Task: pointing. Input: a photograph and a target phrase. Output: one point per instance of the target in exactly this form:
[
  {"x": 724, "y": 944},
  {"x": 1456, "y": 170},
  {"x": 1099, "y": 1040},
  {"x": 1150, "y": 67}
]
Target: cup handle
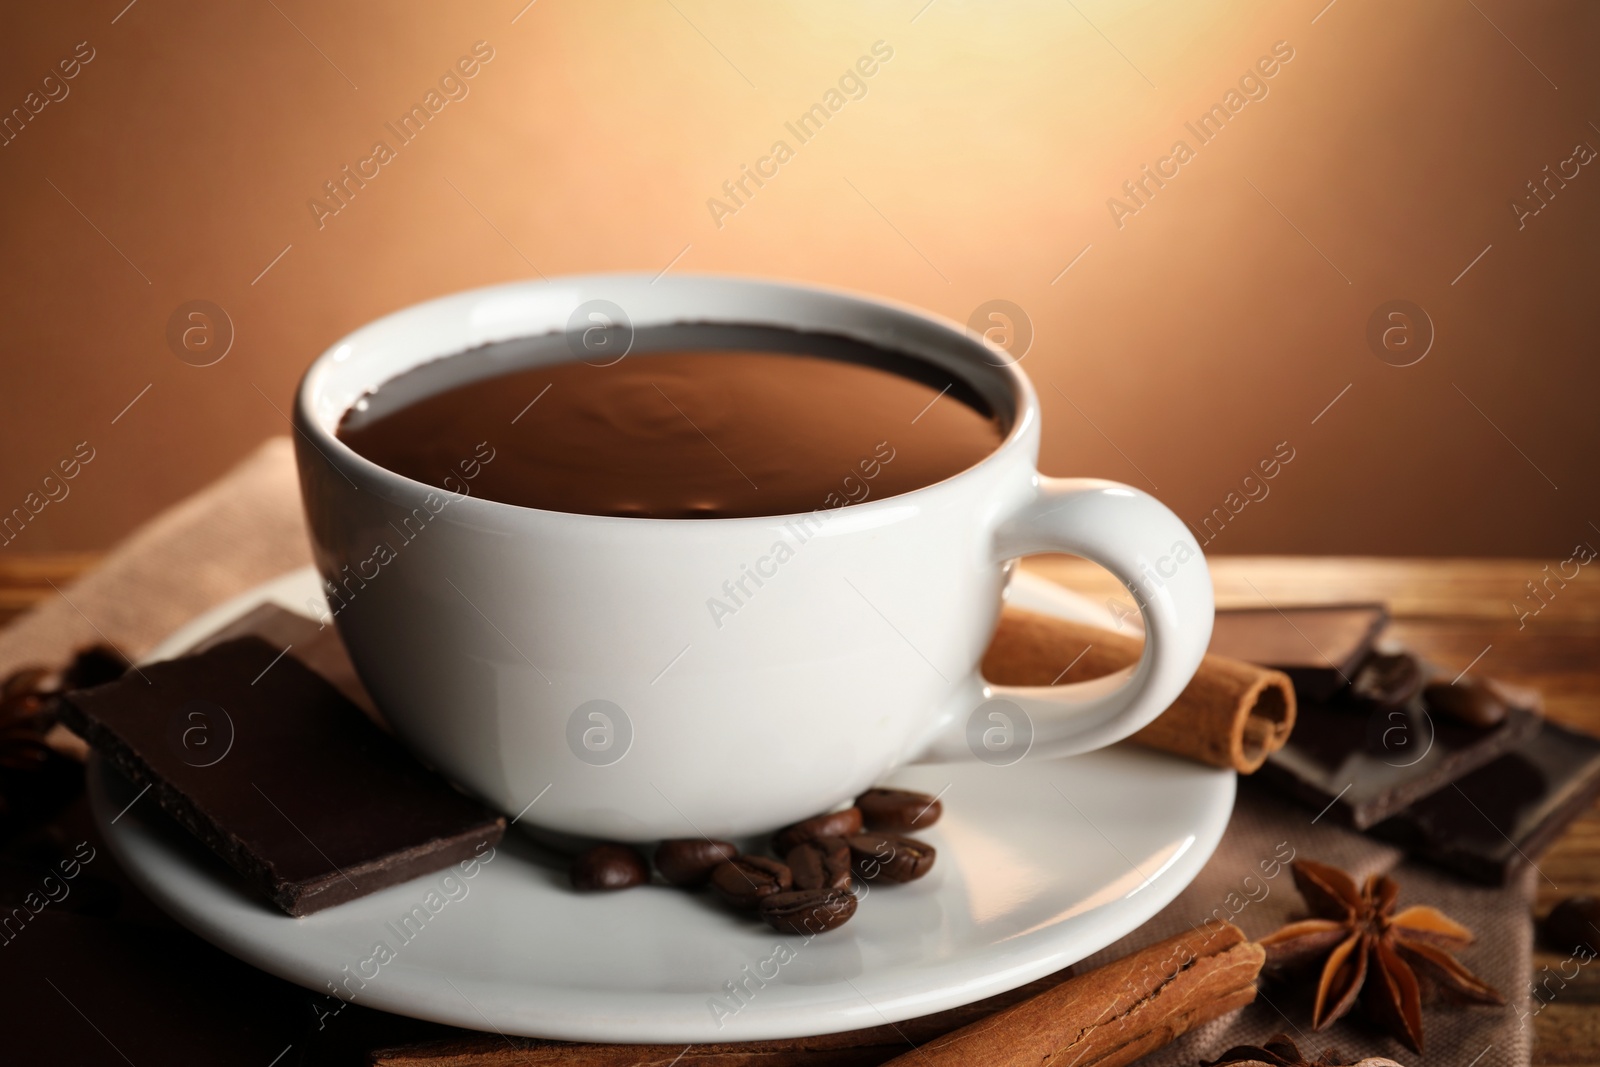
[{"x": 1150, "y": 550}]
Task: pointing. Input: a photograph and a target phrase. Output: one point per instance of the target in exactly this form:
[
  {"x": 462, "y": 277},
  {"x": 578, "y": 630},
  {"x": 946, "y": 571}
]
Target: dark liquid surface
[{"x": 687, "y": 432}]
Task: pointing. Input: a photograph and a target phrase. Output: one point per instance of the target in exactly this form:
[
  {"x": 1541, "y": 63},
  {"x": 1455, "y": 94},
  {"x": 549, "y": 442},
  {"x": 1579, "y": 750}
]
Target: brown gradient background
[{"x": 1177, "y": 352}]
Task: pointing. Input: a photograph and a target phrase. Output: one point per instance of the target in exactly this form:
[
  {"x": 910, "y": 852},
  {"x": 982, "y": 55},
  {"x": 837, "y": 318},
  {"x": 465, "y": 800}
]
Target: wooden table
[{"x": 1456, "y": 612}]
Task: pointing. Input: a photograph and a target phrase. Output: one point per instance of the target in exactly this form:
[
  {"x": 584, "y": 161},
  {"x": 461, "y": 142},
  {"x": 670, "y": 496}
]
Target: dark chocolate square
[
  {"x": 1499, "y": 818},
  {"x": 1360, "y": 762},
  {"x": 280, "y": 774}
]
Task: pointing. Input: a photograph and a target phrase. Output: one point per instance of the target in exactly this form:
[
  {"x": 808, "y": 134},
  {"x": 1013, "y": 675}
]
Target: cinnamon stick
[
  {"x": 1232, "y": 714},
  {"x": 1114, "y": 1014}
]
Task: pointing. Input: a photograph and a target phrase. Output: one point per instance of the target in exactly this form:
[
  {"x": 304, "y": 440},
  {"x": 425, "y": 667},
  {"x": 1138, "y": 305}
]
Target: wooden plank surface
[{"x": 1452, "y": 611}]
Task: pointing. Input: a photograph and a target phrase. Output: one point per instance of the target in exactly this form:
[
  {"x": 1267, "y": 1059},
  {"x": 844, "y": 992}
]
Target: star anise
[
  {"x": 1280, "y": 1051},
  {"x": 1361, "y": 937}
]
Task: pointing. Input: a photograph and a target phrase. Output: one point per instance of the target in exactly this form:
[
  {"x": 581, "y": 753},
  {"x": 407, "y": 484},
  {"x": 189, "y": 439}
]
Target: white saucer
[{"x": 1040, "y": 864}]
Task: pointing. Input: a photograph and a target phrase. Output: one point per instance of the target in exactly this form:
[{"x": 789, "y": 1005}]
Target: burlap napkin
[
  {"x": 227, "y": 538},
  {"x": 248, "y": 527}
]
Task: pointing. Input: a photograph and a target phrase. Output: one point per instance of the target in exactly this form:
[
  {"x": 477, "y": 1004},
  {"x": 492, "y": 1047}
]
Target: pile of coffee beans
[{"x": 805, "y": 887}]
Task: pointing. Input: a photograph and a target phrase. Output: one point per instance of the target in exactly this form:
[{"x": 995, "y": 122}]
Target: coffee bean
[
  {"x": 808, "y": 911},
  {"x": 1388, "y": 679},
  {"x": 744, "y": 880},
  {"x": 820, "y": 864},
  {"x": 834, "y": 824},
  {"x": 890, "y": 857},
  {"x": 898, "y": 809},
  {"x": 92, "y": 666},
  {"x": 689, "y": 861},
  {"x": 608, "y": 867},
  {"x": 1470, "y": 701},
  {"x": 1573, "y": 926}
]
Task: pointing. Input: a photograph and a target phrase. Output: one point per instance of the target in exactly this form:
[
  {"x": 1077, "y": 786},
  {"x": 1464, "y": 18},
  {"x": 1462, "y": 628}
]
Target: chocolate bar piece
[
  {"x": 1319, "y": 648},
  {"x": 1361, "y": 761},
  {"x": 1496, "y": 820},
  {"x": 280, "y": 775},
  {"x": 315, "y": 644}
]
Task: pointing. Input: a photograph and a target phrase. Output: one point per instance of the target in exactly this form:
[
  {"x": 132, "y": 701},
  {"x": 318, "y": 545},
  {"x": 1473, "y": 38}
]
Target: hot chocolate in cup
[{"x": 723, "y": 613}]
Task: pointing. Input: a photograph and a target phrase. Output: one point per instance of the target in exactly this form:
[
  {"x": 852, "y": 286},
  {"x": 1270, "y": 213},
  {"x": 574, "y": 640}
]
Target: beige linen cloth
[
  {"x": 233, "y": 535},
  {"x": 248, "y": 527}
]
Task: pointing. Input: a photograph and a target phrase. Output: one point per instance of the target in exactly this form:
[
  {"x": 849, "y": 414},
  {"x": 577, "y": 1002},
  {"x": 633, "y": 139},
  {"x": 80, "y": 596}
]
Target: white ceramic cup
[{"x": 572, "y": 662}]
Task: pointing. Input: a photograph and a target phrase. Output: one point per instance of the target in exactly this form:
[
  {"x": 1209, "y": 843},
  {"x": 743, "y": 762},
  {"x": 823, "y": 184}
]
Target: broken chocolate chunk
[
  {"x": 1495, "y": 821},
  {"x": 1361, "y": 761}
]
